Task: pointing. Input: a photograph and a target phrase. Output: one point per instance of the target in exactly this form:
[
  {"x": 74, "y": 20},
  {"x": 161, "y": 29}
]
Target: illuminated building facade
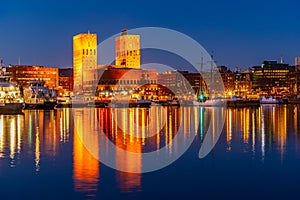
[
  {"x": 227, "y": 78},
  {"x": 23, "y": 75},
  {"x": 195, "y": 80},
  {"x": 271, "y": 77},
  {"x": 242, "y": 83},
  {"x": 182, "y": 84},
  {"x": 128, "y": 51},
  {"x": 116, "y": 80},
  {"x": 66, "y": 80},
  {"x": 84, "y": 61}
]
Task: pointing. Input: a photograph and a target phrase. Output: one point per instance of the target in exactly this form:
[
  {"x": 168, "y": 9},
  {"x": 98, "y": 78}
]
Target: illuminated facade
[
  {"x": 172, "y": 80},
  {"x": 23, "y": 75},
  {"x": 227, "y": 78},
  {"x": 84, "y": 61},
  {"x": 271, "y": 77},
  {"x": 242, "y": 83},
  {"x": 128, "y": 51},
  {"x": 181, "y": 83},
  {"x": 66, "y": 80},
  {"x": 122, "y": 80}
]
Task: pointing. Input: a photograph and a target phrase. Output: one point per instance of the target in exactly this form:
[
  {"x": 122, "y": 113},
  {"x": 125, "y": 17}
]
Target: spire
[
  {"x": 89, "y": 31},
  {"x": 281, "y": 60}
]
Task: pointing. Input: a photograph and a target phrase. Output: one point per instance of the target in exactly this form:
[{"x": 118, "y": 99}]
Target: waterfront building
[
  {"x": 128, "y": 51},
  {"x": 65, "y": 81},
  {"x": 194, "y": 78},
  {"x": 178, "y": 82},
  {"x": 242, "y": 83},
  {"x": 115, "y": 80},
  {"x": 271, "y": 77},
  {"x": 26, "y": 74},
  {"x": 295, "y": 82},
  {"x": 84, "y": 61},
  {"x": 228, "y": 79},
  {"x": 126, "y": 77}
]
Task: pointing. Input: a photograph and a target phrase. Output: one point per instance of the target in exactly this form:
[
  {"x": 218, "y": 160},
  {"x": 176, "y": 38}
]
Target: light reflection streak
[
  {"x": 2, "y": 136},
  {"x": 263, "y": 134},
  {"x": 253, "y": 131},
  {"x": 12, "y": 138},
  {"x": 37, "y": 150},
  {"x": 263, "y": 130}
]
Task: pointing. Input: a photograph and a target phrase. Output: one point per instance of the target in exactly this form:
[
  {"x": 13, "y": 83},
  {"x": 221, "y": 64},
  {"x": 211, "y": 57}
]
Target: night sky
[{"x": 240, "y": 33}]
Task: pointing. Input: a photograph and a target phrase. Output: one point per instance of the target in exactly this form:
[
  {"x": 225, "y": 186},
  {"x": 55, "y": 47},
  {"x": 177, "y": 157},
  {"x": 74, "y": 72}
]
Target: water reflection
[
  {"x": 85, "y": 169},
  {"x": 39, "y": 135},
  {"x": 136, "y": 130},
  {"x": 34, "y": 133},
  {"x": 263, "y": 129},
  {"x": 10, "y": 136}
]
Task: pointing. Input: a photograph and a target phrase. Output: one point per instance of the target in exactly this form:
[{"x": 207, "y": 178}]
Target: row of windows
[
  {"x": 269, "y": 77},
  {"x": 127, "y": 89},
  {"x": 128, "y": 82},
  {"x": 33, "y": 78},
  {"x": 35, "y": 72},
  {"x": 129, "y": 53},
  {"x": 87, "y": 52},
  {"x": 275, "y": 74},
  {"x": 277, "y": 71}
]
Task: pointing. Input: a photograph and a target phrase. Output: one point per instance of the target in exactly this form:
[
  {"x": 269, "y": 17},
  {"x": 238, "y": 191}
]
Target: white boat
[
  {"x": 270, "y": 100},
  {"x": 11, "y": 100},
  {"x": 64, "y": 102},
  {"x": 209, "y": 102}
]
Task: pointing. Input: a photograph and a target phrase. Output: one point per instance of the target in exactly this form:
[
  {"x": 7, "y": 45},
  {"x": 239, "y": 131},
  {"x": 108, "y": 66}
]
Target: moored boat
[
  {"x": 209, "y": 102},
  {"x": 37, "y": 96},
  {"x": 270, "y": 100},
  {"x": 11, "y": 100},
  {"x": 238, "y": 103}
]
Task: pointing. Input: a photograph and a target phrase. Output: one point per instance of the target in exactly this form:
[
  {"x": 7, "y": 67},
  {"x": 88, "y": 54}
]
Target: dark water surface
[{"x": 42, "y": 155}]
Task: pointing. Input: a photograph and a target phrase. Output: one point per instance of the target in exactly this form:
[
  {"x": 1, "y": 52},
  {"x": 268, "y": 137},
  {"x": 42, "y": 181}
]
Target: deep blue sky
[{"x": 241, "y": 33}]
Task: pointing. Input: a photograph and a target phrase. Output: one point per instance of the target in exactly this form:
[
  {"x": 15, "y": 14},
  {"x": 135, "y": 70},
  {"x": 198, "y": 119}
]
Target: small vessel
[
  {"x": 11, "y": 100},
  {"x": 209, "y": 102},
  {"x": 155, "y": 102},
  {"x": 242, "y": 103},
  {"x": 37, "y": 96},
  {"x": 294, "y": 99},
  {"x": 144, "y": 103},
  {"x": 79, "y": 101},
  {"x": 64, "y": 102},
  {"x": 173, "y": 102},
  {"x": 270, "y": 100}
]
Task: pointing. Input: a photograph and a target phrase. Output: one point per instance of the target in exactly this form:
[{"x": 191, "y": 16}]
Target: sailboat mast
[
  {"x": 211, "y": 68},
  {"x": 201, "y": 79}
]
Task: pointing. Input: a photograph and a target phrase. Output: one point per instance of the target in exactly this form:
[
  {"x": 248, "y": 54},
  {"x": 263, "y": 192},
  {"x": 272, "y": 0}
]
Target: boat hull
[
  {"x": 210, "y": 103},
  {"x": 11, "y": 108},
  {"x": 271, "y": 100},
  {"x": 242, "y": 103},
  {"x": 43, "y": 106}
]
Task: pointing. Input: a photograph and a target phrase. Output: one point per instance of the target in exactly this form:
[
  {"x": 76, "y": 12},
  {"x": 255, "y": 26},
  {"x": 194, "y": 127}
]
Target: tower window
[
  {"x": 87, "y": 52},
  {"x": 83, "y": 51}
]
